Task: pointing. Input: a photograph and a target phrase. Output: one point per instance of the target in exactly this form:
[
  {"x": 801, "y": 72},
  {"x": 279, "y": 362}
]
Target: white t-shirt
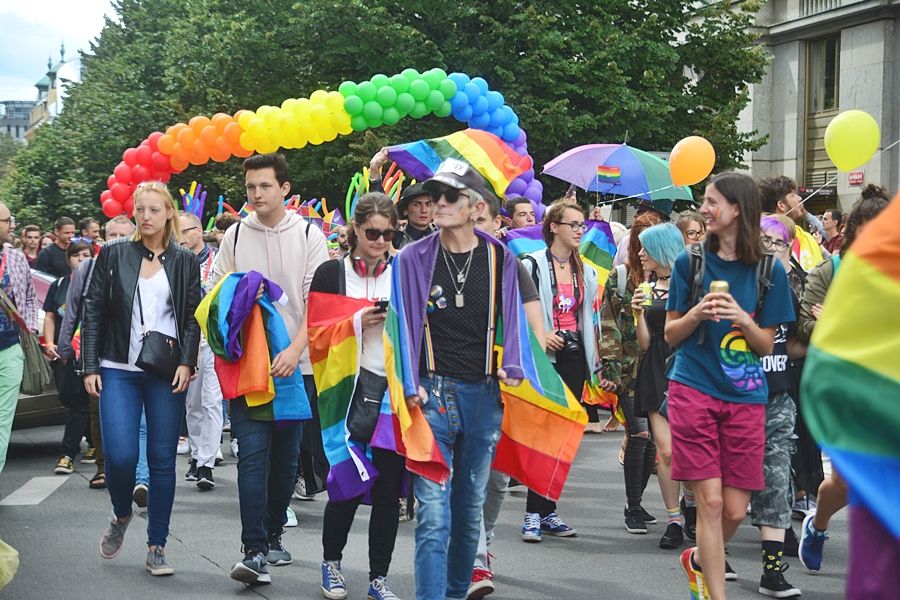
[
  {"x": 373, "y": 288},
  {"x": 159, "y": 315}
]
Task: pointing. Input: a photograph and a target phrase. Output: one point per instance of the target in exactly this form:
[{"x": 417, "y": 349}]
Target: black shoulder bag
[{"x": 160, "y": 353}]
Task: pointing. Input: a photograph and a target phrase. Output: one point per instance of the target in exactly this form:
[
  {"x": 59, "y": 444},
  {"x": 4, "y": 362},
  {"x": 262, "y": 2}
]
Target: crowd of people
[{"x": 700, "y": 330}]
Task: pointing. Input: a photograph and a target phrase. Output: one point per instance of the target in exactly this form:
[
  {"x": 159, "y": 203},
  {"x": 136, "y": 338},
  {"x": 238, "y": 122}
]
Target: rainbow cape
[
  {"x": 851, "y": 380},
  {"x": 244, "y": 334},
  {"x": 542, "y": 422},
  {"x": 497, "y": 162}
]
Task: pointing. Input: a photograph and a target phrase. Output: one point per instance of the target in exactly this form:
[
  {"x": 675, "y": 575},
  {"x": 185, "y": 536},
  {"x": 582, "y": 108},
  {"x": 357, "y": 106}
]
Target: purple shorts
[{"x": 714, "y": 439}]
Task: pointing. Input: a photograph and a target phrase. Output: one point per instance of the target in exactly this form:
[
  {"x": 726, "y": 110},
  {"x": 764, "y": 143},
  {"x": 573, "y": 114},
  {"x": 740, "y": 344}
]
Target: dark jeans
[
  {"x": 96, "y": 436},
  {"x": 72, "y": 395},
  {"x": 572, "y": 369},
  {"x": 267, "y": 470},
  {"x": 383, "y": 522},
  {"x": 124, "y": 394},
  {"x": 640, "y": 453}
]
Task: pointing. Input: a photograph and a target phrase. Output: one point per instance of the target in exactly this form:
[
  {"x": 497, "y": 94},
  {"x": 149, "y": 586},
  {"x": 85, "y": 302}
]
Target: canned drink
[
  {"x": 718, "y": 287},
  {"x": 647, "y": 289}
]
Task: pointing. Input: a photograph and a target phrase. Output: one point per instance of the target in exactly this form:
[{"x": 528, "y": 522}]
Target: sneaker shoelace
[
  {"x": 553, "y": 521},
  {"x": 158, "y": 557},
  {"x": 335, "y": 579},
  {"x": 275, "y": 543},
  {"x": 532, "y": 522},
  {"x": 380, "y": 586}
]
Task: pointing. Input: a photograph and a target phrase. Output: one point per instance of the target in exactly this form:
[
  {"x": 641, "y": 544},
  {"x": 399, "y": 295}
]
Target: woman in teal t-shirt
[{"x": 717, "y": 388}]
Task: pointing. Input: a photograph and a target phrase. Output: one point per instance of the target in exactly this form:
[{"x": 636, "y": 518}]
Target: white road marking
[{"x": 34, "y": 492}]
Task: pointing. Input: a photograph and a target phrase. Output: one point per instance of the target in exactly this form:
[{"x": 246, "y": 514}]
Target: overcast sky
[{"x": 32, "y": 30}]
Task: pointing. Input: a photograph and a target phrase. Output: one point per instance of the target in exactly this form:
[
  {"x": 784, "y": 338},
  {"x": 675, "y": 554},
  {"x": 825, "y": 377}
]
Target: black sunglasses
[
  {"x": 451, "y": 195},
  {"x": 373, "y": 234}
]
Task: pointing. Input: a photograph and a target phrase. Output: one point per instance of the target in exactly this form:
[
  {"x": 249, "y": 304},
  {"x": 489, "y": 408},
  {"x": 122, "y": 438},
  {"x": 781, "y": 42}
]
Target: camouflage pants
[{"x": 772, "y": 506}]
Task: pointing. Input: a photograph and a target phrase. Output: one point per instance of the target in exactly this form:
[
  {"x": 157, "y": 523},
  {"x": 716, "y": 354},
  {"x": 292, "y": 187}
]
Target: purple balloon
[
  {"x": 520, "y": 139},
  {"x": 528, "y": 175},
  {"x": 533, "y": 194},
  {"x": 521, "y": 150},
  {"x": 517, "y": 186},
  {"x": 539, "y": 210}
]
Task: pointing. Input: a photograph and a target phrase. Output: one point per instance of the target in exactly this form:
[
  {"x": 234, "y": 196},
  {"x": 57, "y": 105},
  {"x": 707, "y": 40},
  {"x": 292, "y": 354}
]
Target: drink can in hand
[
  {"x": 718, "y": 287},
  {"x": 647, "y": 289}
]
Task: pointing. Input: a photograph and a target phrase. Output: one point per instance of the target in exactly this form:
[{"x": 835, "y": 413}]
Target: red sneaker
[{"x": 482, "y": 584}]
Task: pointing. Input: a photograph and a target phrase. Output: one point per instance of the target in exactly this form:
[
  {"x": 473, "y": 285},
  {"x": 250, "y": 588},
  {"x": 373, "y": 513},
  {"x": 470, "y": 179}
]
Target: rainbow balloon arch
[{"x": 321, "y": 118}]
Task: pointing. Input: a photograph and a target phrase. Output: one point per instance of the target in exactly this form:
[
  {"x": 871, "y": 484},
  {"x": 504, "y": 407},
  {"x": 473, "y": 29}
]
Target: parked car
[{"x": 44, "y": 408}]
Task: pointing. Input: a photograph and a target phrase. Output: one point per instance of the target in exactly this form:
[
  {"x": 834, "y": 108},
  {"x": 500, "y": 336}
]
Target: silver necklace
[{"x": 461, "y": 275}]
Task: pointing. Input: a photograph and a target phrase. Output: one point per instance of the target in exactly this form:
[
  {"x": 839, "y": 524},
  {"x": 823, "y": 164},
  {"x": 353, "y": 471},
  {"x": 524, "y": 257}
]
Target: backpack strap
[
  {"x": 764, "y": 283},
  {"x": 534, "y": 271},
  {"x": 621, "y": 280},
  {"x": 342, "y": 277},
  {"x": 237, "y": 232},
  {"x": 697, "y": 271}
]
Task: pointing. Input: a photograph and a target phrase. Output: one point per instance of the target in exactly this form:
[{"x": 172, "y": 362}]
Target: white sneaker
[
  {"x": 184, "y": 446},
  {"x": 291, "y": 518},
  {"x": 804, "y": 507},
  {"x": 219, "y": 458},
  {"x": 234, "y": 447},
  {"x": 300, "y": 491}
]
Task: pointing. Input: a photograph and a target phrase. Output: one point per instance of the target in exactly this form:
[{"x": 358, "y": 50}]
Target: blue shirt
[
  {"x": 724, "y": 366},
  {"x": 9, "y": 330}
]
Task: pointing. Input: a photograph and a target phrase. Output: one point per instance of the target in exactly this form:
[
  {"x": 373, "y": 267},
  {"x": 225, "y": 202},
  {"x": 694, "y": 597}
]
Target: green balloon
[
  {"x": 372, "y": 111},
  {"x": 419, "y": 89},
  {"x": 419, "y": 110},
  {"x": 386, "y": 96},
  {"x": 432, "y": 79},
  {"x": 379, "y": 80},
  {"x": 359, "y": 123},
  {"x": 348, "y": 88},
  {"x": 445, "y": 110},
  {"x": 448, "y": 88},
  {"x": 366, "y": 90},
  {"x": 440, "y": 72},
  {"x": 399, "y": 83},
  {"x": 353, "y": 105},
  {"x": 434, "y": 100},
  {"x": 404, "y": 103},
  {"x": 391, "y": 116},
  {"x": 410, "y": 74}
]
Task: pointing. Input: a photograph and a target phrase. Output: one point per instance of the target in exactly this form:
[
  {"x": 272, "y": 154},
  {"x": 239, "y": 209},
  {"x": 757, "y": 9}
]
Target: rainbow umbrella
[{"x": 617, "y": 169}]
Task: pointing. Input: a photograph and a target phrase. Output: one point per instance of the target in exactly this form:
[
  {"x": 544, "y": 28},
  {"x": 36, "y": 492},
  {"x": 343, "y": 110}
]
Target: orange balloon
[
  {"x": 178, "y": 164},
  {"x": 186, "y": 137},
  {"x": 198, "y": 123},
  {"x": 221, "y": 151},
  {"x": 692, "y": 160},
  {"x": 175, "y": 129},
  {"x": 208, "y": 136},
  {"x": 220, "y": 120},
  {"x": 180, "y": 152},
  {"x": 165, "y": 144},
  {"x": 240, "y": 151},
  {"x": 233, "y": 133},
  {"x": 199, "y": 154}
]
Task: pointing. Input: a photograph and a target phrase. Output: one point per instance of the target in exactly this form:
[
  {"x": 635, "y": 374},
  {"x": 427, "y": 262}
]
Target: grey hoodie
[{"x": 288, "y": 254}]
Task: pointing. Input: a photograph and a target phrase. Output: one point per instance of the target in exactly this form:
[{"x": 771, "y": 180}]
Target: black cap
[
  {"x": 662, "y": 206},
  {"x": 459, "y": 175},
  {"x": 406, "y": 196}
]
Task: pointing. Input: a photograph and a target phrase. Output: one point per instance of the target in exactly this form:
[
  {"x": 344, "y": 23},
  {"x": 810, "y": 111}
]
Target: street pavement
[{"x": 58, "y": 539}]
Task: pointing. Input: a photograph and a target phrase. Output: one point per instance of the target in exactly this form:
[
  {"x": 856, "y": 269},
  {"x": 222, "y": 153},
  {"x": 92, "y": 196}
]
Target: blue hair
[{"x": 663, "y": 243}]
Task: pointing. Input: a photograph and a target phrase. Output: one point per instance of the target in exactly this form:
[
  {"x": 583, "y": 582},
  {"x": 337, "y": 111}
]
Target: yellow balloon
[
  {"x": 319, "y": 97},
  {"x": 245, "y": 119},
  {"x": 335, "y": 102},
  {"x": 851, "y": 139}
]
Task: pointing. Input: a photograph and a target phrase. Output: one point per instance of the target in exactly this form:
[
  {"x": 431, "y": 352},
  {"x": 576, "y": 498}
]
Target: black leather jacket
[{"x": 106, "y": 330}]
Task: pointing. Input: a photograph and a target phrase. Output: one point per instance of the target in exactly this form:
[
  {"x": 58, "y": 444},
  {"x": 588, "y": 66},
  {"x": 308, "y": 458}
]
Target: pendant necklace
[
  {"x": 562, "y": 262},
  {"x": 461, "y": 275}
]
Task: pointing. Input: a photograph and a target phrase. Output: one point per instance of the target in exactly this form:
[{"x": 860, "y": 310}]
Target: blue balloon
[
  {"x": 511, "y": 116},
  {"x": 520, "y": 139},
  {"x": 460, "y": 79},
  {"x": 481, "y": 84},
  {"x": 463, "y": 114},
  {"x": 498, "y": 131},
  {"x": 498, "y": 119},
  {"x": 481, "y": 121},
  {"x": 480, "y": 106},
  {"x": 472, "y": 92},
  {"x": 510, "y": 132},
  {"x": 495, "y": 100},
  {"x": 459, "y": 100}
]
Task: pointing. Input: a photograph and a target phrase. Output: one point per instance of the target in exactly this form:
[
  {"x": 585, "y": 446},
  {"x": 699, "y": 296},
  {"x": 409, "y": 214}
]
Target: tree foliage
[{"x": 575, "y": 72}]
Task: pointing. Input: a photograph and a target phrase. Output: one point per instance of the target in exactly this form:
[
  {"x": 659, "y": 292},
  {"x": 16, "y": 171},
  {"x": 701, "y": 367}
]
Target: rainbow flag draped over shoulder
[
  {"x": 542, "y": 422},
  {"x": 497, "y": 162},
  {"x": 851, "y": 380}
]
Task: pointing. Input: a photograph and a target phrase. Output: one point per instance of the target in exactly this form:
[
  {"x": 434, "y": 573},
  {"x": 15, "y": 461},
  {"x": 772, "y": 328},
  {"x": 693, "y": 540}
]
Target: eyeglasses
[
  {"x": 575, "y": 225},
  {"x": 693, "y": 234},
  {"x": 9, "y": 220},
  {"x": 779, "y": 245},
  {"x": 373, "y": 234},
  {"x": 450, "y": 195}
]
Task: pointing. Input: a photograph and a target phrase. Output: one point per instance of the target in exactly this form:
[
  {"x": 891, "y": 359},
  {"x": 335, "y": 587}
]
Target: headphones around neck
[{"x": 362, "y": 269}]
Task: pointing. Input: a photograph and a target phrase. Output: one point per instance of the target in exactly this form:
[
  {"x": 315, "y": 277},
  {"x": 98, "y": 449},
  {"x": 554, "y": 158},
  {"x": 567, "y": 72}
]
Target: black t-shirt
[
  {"x": 459, "y": 334},
  {"x": 55, "y": 303},
  {"x": 52, "y": 260},
  {"x": 776, "y": 364}
]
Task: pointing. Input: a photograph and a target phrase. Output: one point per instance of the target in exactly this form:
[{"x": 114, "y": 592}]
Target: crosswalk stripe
[{"x": 34, "y": 492}]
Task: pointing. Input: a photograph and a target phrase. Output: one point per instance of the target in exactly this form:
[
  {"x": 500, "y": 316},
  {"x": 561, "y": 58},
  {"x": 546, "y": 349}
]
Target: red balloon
[
  {"x": 140, "y": 173},
  {"x": 122, "y": 172},
  {"x": 163, "y": 176},
  {"x": 110, "y": 181},
  {"x": 112, "y": 209},
  {"x": 159, "y": 162},
  {"x": 153, "y": 140},
  {"x": 144, "y": 154},
  {"x": 106, "y": 195},
  {"x": 130, "y": 157},
  {"x": 121, "y": 192},
  {"x": 129, "y": 206}
]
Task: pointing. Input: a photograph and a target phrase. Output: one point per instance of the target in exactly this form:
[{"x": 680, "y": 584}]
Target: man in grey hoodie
[{"x": 284, "y": 248}]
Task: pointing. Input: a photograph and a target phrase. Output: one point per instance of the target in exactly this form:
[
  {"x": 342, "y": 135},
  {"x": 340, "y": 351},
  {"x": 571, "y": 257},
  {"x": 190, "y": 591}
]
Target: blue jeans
[
  {"x": 142, "y": 472},
  {"x": 125, "y": 395},
  {"x": 465, "y": 420},
  {"x": 267, "y": 469}
]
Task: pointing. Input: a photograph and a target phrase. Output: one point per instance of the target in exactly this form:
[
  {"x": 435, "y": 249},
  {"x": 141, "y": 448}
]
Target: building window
[{"x": 824, "y": 67}]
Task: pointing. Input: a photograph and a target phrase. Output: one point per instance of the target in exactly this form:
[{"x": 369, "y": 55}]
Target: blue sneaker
[
  {"x": 531, "y": 529},
  {"x": 811, "y": 543},
  {"x": 553, "y": 525},
  {"x": 333, "y": 586},
  {"x": 378, "y": 590}
]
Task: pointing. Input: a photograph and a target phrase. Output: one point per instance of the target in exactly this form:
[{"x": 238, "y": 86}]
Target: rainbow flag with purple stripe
[
  {"x": 608, "y": 174},
  {"x": 598, "y": 247}
]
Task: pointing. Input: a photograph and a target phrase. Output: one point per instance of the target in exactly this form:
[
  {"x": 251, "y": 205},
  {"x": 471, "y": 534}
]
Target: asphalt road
[{"x": 58, "y": 542}]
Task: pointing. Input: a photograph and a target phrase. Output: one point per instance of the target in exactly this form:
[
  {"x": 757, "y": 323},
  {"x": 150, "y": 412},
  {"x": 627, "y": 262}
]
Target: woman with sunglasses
[
  {"x": 568, "y": 293},
  {"x": 146, "y": 284},
  {"x": 365, "y": 273}
]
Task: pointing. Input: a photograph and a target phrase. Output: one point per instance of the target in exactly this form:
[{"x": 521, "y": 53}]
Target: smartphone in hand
[{"x": 381, "y": 306}]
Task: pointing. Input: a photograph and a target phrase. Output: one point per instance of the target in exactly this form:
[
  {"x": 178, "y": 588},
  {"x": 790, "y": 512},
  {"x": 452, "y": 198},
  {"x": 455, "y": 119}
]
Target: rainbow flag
[
  {"x": 525, "y": 240},
  {"x": 851, "y": 380},
  {"x": 542, "y": 421},
  {"x": 335, "y": 331},
  {"x": 608, "y": 174},
  {"x": 497, "y": 162},
  {"x": 806, "y": 250}
]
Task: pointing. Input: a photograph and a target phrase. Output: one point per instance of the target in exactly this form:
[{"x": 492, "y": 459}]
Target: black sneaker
[
  {"x": 634, "y": 521},
  {"x": 791, "y": 543},
  {"x": 773, "y": 583},
  {"x": 278, "y": 554},
  {"x": 191, "y": 474},
  {"x": 253, "y": 569},
  {"x": 673, "y": 538},
  {"x": 648, "y": 518},
  {"x": 204, "y": 478},
  {"x": 730, "y": 575},
  {"x": 690, "y": 520}
]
